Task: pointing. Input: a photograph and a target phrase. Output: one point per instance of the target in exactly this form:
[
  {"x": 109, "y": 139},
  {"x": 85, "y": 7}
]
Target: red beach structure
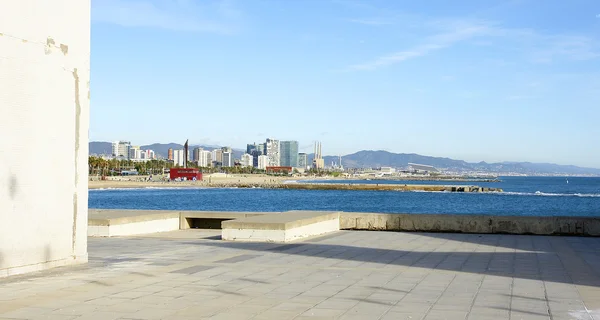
[{"x": 188, "y": 173}]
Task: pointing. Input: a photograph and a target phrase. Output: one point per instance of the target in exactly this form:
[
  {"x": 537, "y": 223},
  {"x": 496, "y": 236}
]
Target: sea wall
[
  {"x": 576, "y": 226},
  {"x": 452, "y": 223},
  {"x": 44, "y": 122}
]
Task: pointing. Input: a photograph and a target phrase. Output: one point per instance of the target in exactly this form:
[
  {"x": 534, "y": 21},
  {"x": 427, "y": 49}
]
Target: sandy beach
[{"x": 209, "y": 180}]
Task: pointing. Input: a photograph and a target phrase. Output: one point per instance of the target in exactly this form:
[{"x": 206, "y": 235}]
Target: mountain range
[{"x": 376, "y": 159}]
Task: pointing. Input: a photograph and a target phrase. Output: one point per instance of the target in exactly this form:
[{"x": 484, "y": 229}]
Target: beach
[{"x": 210, "y": 180}]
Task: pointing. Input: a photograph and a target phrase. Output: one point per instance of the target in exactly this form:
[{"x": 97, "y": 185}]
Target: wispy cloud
[
  {"x": 598, "y": 15},
  {"x": 180, "y": 15},
  {"x": 433, "y": 43},
  {"x": 534, "y": 46}
]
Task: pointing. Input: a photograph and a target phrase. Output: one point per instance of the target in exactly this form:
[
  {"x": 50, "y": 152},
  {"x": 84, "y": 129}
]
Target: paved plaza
[{"x": 192, "y": 274}]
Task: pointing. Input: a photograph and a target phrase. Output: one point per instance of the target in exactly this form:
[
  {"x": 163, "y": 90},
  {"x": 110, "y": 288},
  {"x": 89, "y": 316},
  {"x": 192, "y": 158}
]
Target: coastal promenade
[{"x": 192, "y": 274}]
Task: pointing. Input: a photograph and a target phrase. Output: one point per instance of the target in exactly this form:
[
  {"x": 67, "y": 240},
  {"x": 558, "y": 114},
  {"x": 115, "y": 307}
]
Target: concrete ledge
[
  {"x": 186, "y": 217},
  {"x": 283, "y": 227},
  {"x": 101, "y": 217},
  {"x": 577, "y": 226},
  {"x": 115, "y": 222}
]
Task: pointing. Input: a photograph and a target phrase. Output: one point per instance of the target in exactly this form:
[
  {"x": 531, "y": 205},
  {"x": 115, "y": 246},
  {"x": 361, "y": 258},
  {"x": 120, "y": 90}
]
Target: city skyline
[{"x": 481, "y": 81}]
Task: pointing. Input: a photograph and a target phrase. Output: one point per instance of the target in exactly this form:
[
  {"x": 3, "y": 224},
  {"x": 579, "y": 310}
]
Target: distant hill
[
  {"x": 376, "y": 159},
  {"x": 98, "y": 148}
]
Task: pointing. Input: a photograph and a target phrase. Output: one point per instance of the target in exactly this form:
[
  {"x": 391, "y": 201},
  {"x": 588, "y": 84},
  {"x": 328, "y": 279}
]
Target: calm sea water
[{"x": 531, "y": 196}]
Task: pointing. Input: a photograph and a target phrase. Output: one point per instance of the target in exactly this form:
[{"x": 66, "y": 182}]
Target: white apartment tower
[
  {"x": 247, "y": 160},
  {"x": 121, "y": 149},
  {"x": 272, "y": 151},
  {"x": 178, "y": 158},
  {"x": 205, "y": 158},
  {"x": 263, "y": 162}
]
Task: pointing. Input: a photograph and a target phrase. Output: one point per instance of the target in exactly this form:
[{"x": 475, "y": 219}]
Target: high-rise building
[
  {"x": 178, "y": 158},
  {"x": 288, "y": 151},
  {"x": 251, "y": 148},
  {"x": 121, "y": 149},
  {"x": 196, "y": 154},
  {"x": 318, "y": 161},
  {"x": 247, "y": 160},
  {"x": 263, "y": 162},
  {"x": 134, "y": 152},
  {"x": 255, "y": 154},
  {"x": 227, "y": 155},
  {"x": 170, "y": 155},
  {"x": 205, "y": 159},
  {"x": 228, "y": 159},
  {"x": 302, "y": 160},
  {"x": 272, "y": 151},
  {"x": 218, "y": 156}
]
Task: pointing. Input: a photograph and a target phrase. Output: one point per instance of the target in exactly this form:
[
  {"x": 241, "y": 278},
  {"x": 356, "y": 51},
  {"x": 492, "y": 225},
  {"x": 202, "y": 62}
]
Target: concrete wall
[
  {"x": 579, "y": 226},
  {"x": 44, "y": 122}
]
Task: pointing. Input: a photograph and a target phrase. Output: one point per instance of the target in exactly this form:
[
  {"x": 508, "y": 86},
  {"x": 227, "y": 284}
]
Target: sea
[{"x": 522, "y": 196}]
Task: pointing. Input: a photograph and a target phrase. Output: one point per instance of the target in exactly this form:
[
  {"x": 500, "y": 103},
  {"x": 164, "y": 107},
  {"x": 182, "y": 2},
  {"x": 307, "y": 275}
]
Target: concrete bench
[
  {"x": 281, "y": 227},
  {"x": 111, "y": 223}
]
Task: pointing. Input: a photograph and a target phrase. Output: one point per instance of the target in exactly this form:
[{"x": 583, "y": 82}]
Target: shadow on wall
[{"x": 538, "y": 258}]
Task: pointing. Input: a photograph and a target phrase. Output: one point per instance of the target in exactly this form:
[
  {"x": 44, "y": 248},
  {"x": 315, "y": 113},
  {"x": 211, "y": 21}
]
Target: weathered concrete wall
[
  {"x": 471, "y": 223},
  {"x": 44, "y": 122}
]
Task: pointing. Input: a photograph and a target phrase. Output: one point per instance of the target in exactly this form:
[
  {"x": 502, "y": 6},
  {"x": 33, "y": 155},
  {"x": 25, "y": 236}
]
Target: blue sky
[{"x": 474, "y": 80}]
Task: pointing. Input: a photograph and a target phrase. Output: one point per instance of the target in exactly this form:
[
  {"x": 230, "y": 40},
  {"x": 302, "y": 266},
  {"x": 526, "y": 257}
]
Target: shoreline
[
  {"x": 242, "y": 181},
  {"x": 265, "y": 182}
]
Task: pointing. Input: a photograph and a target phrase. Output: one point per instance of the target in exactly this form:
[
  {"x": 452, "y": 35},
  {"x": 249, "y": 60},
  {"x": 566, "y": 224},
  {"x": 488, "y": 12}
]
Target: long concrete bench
[
  {"x": 281, "y": 227},
  {"x": 111, "y": 223}
]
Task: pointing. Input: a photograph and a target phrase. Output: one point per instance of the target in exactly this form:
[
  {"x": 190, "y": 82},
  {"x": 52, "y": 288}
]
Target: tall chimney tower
[{"x": 185, "y": 154}]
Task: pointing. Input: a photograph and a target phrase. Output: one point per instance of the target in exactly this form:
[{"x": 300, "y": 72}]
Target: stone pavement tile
[
  {"x": 232, "y": 315},
  {"x": 25, "y": 313},
  {"x": 337, "y": 303},
  {"x": 130, "y": 294},
  {"x": 293, "y": 306},
  {"x": 557, "y": 305},
  {"x": 452, "y": 303},
  {"x": 317, "y": 312},
  {"x": 175, "y": 292},
  {"x": 478, "y": 313},
  {"x": 403, "y": 316},
  {"x": 277, "y": 315},
  {"x": 107, "y": 301},
  {"x": 201, "y": 310},
  {"x": 369, "y": 309},
  {"x": 248, "y": 309},
  {"x": 412, "y": 307},
  {"x": 153, "y": 300},
  {"x": 125, "y": 307},
  {"x": 76, "y": 310},
  {"x": 45, "y": 317},
  {"x": 150, "y": 314},
  {"x": 348, "y": 316},
  {"x": 446, "y": 315},
  {"x": 515, "y": 315},
  {"x": 102, "y": 315},
  {"x": 55, "y": 303},
  {"x": 385, "y": 296},
  {"x": 262, "y": 301}
]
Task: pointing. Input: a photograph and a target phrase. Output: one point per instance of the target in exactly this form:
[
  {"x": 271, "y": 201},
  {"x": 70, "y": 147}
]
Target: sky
[{"x": 472, "y": 80}]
